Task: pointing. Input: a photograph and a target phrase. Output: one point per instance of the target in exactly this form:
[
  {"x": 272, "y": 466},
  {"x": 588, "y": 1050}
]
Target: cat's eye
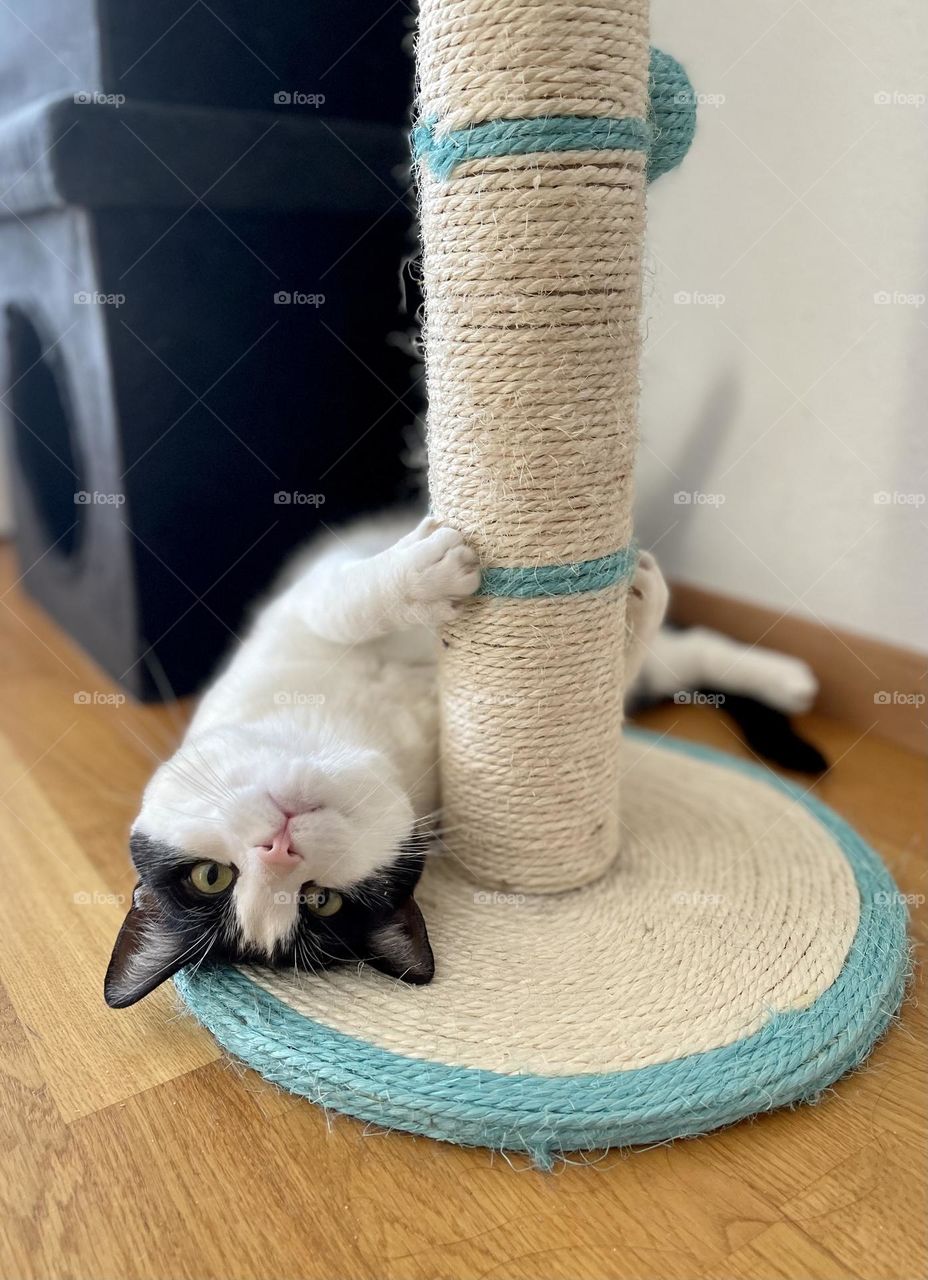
[
  {"x": 323, "y": 902},
  {"x": 211, "y": 877}
]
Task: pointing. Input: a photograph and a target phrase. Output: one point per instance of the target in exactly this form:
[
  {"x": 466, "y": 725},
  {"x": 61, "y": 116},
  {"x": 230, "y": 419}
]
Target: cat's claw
[{"x": 426, "y": 526}]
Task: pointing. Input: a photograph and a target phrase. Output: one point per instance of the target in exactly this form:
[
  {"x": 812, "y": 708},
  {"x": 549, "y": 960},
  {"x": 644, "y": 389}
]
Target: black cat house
[{"x": 202, "y": 219}]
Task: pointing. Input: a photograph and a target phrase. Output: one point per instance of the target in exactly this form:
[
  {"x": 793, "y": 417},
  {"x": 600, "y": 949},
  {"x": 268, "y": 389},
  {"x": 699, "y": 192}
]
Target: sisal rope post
[
  {"x": 550, "y": 1034},
  {"x": 532, "y": 143}
]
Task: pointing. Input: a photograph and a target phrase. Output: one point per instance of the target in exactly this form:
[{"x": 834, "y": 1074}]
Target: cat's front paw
[
  {"x": 437, "y": 571},
  {"x": 647, "y": 600}
]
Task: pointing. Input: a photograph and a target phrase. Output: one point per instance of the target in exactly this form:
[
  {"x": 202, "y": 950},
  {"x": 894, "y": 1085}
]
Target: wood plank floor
[{"x": 131, "y": 1148}]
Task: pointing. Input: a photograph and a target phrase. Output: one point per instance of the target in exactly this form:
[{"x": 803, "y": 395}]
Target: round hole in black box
[{"x": 42, "y": 430}]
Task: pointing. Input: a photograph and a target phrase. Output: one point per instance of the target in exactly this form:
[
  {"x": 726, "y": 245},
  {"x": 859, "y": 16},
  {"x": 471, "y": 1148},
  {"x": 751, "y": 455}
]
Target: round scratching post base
[
  {"x": 719, "y": 943},
  {"x": 745, "y": 951}
]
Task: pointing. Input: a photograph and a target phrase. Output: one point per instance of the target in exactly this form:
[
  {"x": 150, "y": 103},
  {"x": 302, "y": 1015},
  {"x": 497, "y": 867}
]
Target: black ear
[
  {"x": 146, "y": 952},
  {"x": 400, "y": 948}
]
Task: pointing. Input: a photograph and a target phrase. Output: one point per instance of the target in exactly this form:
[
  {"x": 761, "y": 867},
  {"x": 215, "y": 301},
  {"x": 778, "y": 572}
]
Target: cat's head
[{"x": 252, "y": 847}]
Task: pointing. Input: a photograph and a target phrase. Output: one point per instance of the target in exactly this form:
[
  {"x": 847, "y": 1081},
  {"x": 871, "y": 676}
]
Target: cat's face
[{"x": 254, "y": 846}]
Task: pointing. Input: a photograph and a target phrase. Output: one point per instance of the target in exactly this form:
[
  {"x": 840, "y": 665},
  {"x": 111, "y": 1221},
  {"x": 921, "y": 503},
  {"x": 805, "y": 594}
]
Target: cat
[
  {"x": 291, "y": 826},
  {"x": 759, "y": 689}
]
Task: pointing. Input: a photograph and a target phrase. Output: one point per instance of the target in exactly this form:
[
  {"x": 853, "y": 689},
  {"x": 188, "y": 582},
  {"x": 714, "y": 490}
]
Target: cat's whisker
[
  {"x": 200, "y": 817},
  {"x": 211, "y": 773},
  {"x": 211, "y": 944},
  {"x": 420, "y": 838},
  {"x": 202, "y": 937},
  {"x": 378, "y": 786},
  {"x": 327, "y": 955},
  {"x": 302, "y": 951},
  {"x": 194, "y": 782},
  {"x": 367, "y": 897},
  {"x": 194, "y": 773},
  {"x": 434, "y": 816}
]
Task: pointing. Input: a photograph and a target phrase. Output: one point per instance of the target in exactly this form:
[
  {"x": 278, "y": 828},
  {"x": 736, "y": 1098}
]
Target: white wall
[{"x": 793, "y": 397}]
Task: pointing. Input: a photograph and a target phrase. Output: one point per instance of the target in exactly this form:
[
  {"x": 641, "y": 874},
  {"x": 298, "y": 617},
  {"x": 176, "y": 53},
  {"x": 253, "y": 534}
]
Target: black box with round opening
[
  {"x": 42, "y": 429},
  {"x": 196, "y": 363}
]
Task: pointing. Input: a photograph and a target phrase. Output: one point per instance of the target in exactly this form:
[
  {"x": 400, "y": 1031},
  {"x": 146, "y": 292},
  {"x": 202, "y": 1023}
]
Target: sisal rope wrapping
[
  {"x": 531, "y": 267},
  {"x": 732, "y": 907},
  {"x": 748, "y": 951}
]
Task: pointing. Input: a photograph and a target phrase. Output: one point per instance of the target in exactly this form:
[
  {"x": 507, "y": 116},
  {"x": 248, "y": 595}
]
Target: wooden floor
[{"x": 131, "y": 1148}]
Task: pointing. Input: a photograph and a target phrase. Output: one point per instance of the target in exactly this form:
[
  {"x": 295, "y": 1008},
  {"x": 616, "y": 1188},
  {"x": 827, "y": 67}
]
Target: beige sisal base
[{"x": 729, "y": 903}]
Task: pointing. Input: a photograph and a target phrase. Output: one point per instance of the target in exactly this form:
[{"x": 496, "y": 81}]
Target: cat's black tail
[{"x": 769, "y": 732}]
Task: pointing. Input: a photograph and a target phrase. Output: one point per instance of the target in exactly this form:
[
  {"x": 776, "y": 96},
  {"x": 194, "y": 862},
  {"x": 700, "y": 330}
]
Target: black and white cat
[{"x": 290, "y": 826}]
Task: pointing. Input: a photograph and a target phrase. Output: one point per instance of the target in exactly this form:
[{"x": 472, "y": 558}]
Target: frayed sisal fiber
[
  {"x": 532, "y": 282},
  {"x": 747, "y": 950}
]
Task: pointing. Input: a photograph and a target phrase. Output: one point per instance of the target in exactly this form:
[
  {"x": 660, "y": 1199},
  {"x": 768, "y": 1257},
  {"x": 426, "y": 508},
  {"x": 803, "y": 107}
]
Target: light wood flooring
[{"x": 131, "y": 1148}]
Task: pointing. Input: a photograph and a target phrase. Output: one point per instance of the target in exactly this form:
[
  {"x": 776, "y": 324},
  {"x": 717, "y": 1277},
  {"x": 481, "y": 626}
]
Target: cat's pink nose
[{"x": 278, "y": 853}]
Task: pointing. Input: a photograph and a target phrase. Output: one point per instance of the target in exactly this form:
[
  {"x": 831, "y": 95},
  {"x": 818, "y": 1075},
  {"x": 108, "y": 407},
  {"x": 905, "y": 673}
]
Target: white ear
[{"x": 400, "y": 948}]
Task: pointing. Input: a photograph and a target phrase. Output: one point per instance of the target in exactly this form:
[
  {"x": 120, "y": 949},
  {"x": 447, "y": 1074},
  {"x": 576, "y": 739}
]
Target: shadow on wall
[{"x": 702, "y": 445}]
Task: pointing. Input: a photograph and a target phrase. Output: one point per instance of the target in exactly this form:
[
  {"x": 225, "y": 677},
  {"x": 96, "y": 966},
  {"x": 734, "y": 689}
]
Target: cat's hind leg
[{"x": 698, "y": 658}]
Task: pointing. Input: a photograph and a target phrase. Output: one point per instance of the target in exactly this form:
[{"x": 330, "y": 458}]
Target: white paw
[
  {"x": 789, "y": 684},
  {"x": 647, "y": 600},
  {"x": 785, "y": 683},
  {"x": 437, "y": 570},
  {"x": 426, "y": 526}
]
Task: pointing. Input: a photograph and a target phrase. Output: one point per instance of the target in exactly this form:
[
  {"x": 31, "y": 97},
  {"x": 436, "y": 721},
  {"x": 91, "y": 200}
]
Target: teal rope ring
[
  {"x": 525, "y": 137},
  {"x": 546, "y": 580},
  {"x": 664, "y": 137}
]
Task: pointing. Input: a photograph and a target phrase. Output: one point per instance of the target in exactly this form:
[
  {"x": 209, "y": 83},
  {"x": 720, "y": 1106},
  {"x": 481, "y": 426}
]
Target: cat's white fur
[
  {"x": 698, "y": 658},
  {"x": 328, "y": 711}
]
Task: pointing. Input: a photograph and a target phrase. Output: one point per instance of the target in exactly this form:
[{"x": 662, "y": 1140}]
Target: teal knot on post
[{"x": 672, "y": 115}]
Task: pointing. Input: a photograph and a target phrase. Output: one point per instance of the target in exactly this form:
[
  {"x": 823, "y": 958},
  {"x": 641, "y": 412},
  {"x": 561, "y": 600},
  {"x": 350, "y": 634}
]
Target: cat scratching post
[
  {"x": 739, "y": 948},
  {"x": 532, "y": 157}
]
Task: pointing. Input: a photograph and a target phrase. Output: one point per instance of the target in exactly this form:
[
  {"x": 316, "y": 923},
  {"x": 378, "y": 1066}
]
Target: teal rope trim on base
[
  {"x": 545, "y": 580},
  {"x": 525, "y": 137},
  {"x": 791, "y": 1059}
]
